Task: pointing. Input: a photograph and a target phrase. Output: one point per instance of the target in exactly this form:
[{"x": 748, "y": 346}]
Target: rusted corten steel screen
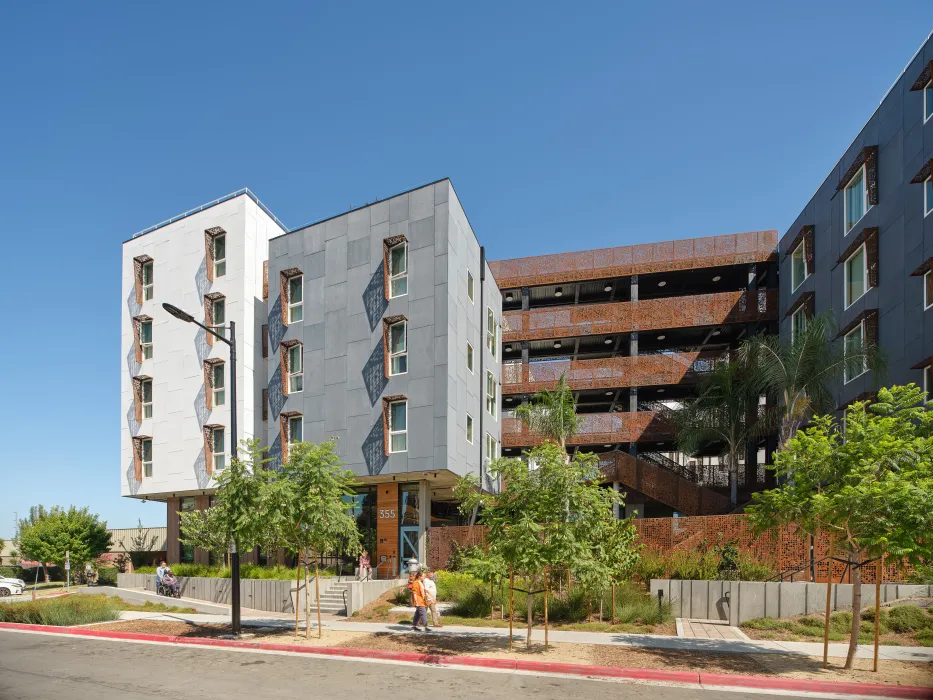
[
  {"x": 687, "y": 254},
  {"x": 612, "y": 373},
  {"x": 597, "y": 428},
  {"x": 660, "y": 484},
  {"x": 649, "y": 314}
]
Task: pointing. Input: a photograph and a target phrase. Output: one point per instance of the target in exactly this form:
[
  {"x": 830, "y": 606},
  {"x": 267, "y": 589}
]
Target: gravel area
[{"x": 786, "y": 666}]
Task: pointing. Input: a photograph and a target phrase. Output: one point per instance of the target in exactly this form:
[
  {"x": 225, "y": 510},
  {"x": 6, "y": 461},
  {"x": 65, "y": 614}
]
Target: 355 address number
[{"x": 387, "y": 512}]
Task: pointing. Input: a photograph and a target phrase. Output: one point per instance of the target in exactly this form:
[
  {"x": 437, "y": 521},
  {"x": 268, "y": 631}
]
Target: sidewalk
[{"x": 893, "y": 653}]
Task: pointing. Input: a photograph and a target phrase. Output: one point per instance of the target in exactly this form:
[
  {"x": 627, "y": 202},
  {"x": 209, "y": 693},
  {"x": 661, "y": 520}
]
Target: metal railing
[{"x": 212, "y": 203}]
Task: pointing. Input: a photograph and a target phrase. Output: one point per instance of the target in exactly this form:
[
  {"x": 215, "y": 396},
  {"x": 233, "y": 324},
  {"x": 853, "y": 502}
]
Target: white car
[{"x": 11, "y": 586}]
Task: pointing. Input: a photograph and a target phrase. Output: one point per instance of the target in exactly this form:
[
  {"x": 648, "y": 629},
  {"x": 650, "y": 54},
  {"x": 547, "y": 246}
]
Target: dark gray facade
[
  {"x": 896, "y": 144},
  {"x": 342, "y": 332}
]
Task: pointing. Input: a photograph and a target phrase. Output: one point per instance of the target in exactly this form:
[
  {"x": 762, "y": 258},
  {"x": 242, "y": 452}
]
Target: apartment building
[
  {"x": 861, "y": 247},
  {"x": 634, "y": 328},
  {"x": 379, "y": 327},
  {"x": 384, "y": 332}
]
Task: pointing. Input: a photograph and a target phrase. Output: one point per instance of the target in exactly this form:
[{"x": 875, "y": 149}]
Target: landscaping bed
[
  {"x": 77, "y": 609},
  {"x": 773, "y": 665},
  {"x": 900, "y": 625},
  {"x": 636, "y": 612}
]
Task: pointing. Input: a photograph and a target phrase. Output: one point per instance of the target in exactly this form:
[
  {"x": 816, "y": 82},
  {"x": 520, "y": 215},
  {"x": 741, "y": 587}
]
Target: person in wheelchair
[{"x": 166, "y": 583}]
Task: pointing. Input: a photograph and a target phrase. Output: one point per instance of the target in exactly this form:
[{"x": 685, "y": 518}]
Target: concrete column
[
  {"x": 424, "y": 519},
  {"x": 634, "y": 287},
  {"x": 524, "y": 347},
  {"x": 615, "y": 506},
  {"x": 633, "y": 509},
  {"x": 526, "y": 299}
]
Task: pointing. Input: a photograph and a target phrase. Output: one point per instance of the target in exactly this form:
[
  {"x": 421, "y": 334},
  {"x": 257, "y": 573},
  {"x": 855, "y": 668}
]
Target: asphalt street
[{"x": 41, "y": 667}]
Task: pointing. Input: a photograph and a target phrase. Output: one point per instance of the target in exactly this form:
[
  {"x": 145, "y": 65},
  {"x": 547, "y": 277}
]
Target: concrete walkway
[{"x": 646, "y": 641}]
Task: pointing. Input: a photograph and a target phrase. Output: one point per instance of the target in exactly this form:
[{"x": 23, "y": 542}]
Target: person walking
[
  {"x": 418, "y": 600},
  {"x": 430, "y": 597}
]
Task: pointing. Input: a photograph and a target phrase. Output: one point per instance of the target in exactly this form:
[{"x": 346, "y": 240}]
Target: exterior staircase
[
  {"x": 662, "y": 484},
  {"x": 332, "y": 600}
]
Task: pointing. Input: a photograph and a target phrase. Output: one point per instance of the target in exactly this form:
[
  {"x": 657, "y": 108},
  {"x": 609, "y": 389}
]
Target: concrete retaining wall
[
  {"x": 359, "y": 595},
  {"x": 739, "y": 601},
  {"x": 256, "y": 594}
]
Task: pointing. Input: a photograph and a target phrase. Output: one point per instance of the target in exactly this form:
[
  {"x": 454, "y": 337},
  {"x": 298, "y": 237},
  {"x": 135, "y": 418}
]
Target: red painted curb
[
  {"x": 683, "y": 677},
  {"x": 814, "y": 686}
]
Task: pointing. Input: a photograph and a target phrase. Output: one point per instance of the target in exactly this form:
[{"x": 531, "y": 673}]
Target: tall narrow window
[
  {"x": 296, "y": 298},
  {"x": 220, "y": 256},
  {"x": 927, "y": 383},
  {"x": 798, "y": 323},
  {"x": 147, "y": 280},
  {"x": 856, "y": 275},
  {"x": 265, "y": 404},
  {"x": 218, "y": 380},
  {"x": 492, "y": 449},
  {"x": 927, "y": 290},
  {"x": 492, "y": 394},
  {"x": 856, "y": 199},
  {"x": 398, "y": 271},
  {"x": 852, "y": 350},
  {"x": 798, "y": 266},
  {"x": 217, "y": 445},
  {"x": 470, "y": 358},
  {"x": 470, "y": 285},
  {"x": 146, "y": 450},
  {"x": 296, "y": 370},
  {"x": 928, "y": 196},
  {"x": 220, "y": 316},
  {"x": 492, "y": 333},
  {"x": 145, "y": 339},
  {"x": 469, "y": 428},
  {"x": 145, "y": 389},
  {"x": 295, "y": 428},
  {"x": 928, "y": 102},
  {"x": 398, "y": 348},
  {"x": 398, "y": 426}
]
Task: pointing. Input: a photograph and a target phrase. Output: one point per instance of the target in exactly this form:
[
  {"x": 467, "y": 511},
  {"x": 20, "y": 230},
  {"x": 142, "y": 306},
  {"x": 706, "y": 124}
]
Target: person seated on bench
[{"x": 366, "y": 570}]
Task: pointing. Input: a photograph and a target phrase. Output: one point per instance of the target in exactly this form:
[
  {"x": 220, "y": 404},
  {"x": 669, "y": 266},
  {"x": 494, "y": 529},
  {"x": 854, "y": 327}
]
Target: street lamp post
[{"x": 231, "y": 341}]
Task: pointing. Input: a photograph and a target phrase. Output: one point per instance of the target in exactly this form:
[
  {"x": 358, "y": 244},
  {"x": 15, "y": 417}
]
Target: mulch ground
[{"x": 775, "y": 665}]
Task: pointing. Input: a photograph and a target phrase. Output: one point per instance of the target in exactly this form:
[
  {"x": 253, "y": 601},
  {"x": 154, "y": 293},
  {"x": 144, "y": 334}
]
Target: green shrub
[
  {"x": 474, "y": 604},
  {"x": 751, "y": 568},
  {"x": 909, "y": 618},
  {"x": 922, "y": 574},
  {"x": 12, "y": 572},
  {"x": 76, "y": 609},
  {"x": 107, "y": 576},
  {"x": 247, "y": 571},
  {"x": 760, "y": 623},
  {"x": 401, "y": 596}
]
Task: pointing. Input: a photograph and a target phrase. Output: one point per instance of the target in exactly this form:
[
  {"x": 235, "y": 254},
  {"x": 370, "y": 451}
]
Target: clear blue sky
[{"x": 563, "y": 127}]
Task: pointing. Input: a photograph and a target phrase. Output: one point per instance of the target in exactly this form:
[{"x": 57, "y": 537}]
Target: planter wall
[{"x": 739, "y": 601}]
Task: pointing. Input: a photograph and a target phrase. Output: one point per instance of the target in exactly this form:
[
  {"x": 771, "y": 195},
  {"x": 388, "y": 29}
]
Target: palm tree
[
  {"x": 551, "y": 414},
  {"x": 725, "y": 412},
  {"x": 801, "y": 372}
]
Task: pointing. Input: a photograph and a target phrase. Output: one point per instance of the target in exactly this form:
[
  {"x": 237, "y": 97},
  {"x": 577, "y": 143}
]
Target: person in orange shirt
[{"x": 419, "y": 600}]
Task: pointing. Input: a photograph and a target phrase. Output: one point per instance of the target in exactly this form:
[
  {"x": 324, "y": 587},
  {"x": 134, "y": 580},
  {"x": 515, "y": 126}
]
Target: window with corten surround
[
  {"x": 286, "y": 287},
  {"x": 395, "y": 422},
  {"x": 288, "y": 422},
  {"x": 861, "y": 194},
  {"x": 214, "y": 373},
  {"x": 395, "y": 266},
  {"x": 142, "y": 390},
  {"x": 291, "y": 360},
  {"x": 215, "y": 313},
  {"x": 142, "y": 336},
  {"x": 143, "y": 269},
  {"x": 387, "y": 343},
  {"x": 215, "y": 243},
  {"x": 138, "y": 449},
  {"x": 214, "y": 448}
]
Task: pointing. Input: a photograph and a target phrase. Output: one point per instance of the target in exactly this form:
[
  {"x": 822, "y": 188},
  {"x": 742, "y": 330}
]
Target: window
[
  {"x": 295, "y": 426},
  {"x": 470, "y": 285},
  {"x": 492, "y": 333},
  {"x": 927, "y": 383},
  {"x": 852, "y": 349},
  {"x": 398, "y": 270},
  {"x": 145, "y": 339},
  {"x": 856, "y": 199},
  {"x": 798, "y": 266},
  {"x": 398, "y": 426},
  {"x": 296, "y": 375},
  {"x": 217, "y": 447},
  {"x": 469, "y": 429},
  {"x": 927, "y": 290},
  {"x": 856, "y": 274},
  {"x": 398, "y": 348},
  {"x": 295, "y": 298},
  {"x": 470, "y": 358},
  {"x": 220, "y": 316},
  {"x": 928, "y": 196},
  {"x": 492, "y": 449},
  {"x": 492, "y": 394},
  {"x": 146, "y": 449},
  {"x": 220, "y": 256},
  {"x": 147, "y": 281},
  {"x": 798, "y": 323},
  {"x": 218, "y": 384},
  {"x": 928, "y": 102},
  {"x": 146, "y": 392}
]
